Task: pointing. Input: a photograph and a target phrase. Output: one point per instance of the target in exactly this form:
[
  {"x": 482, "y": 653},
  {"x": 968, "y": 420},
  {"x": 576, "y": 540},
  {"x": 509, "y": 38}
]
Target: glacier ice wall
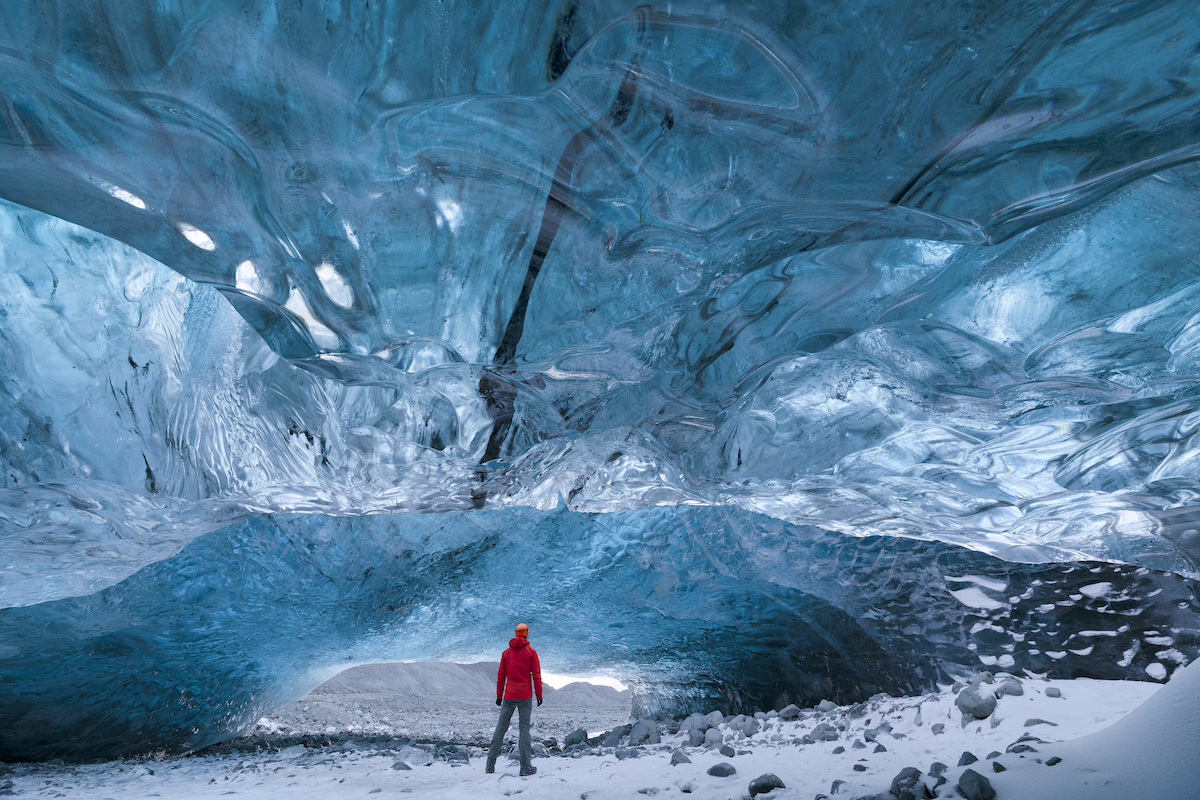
[
  {"x": 902, "y": 280},
  {"x": 703, "y": 606}
]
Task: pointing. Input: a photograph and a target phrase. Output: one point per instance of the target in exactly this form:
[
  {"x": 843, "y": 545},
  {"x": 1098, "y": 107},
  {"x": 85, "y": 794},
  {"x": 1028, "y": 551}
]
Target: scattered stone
[
  {"x": 937, "y": 768},
  {"x": 1050, "y": 762},
  {"x": 695, "y": 737},
  {"x": 905, "y": 785},
  {"x": 879, "y": 749},
  {"x": 974, "y": 786},
  {"x": 789, "y": 712},
  {"x": 578, "y": 736},
  {"x": 712, "y": 737},
  {"x": 751, "y": 726},
  {"x": 998, "y": 767},
  {"x": 981, "y": 677},
  {"x": 765, "y": 784},
  {"x": 645, "y": 731},
  {"x": 824, "y": 732},
  {"x": 1010, "y": 686},
  {"x": 937, "y": 728},
  {"x": 712, "y": 719},
  {"x": 859, "y": 768},
  {"x": 623, "y": 753},
  {"x": 967, "y": 758},
  {"x": 836, "y": 786},
  {"x": 871, "y": 734},
  {"x": 1053, "y": 691},
  {"x": 679, "y": 757},
  {"x": 826, "y": 705},
  {"x": 722, "y": 770},
  {"x": 976, "y": 702},
  {"x": 400, "y": 765},
  {"x": 1020, "y": 748},
  {"x": 838, "y": 750},
  {"x": 993, "y": 754},
  {"x": 858, "y": 745},
  {"x": 1029, "y": 723},
  {"x": 726, "y": 751}
]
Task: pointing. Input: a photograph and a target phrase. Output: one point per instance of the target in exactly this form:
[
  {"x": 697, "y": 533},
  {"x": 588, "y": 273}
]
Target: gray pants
[{"x": 523, "y": 744}]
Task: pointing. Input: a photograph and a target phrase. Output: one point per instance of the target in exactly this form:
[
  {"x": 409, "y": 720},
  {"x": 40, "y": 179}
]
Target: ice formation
[{"x": 864, "y": 329}]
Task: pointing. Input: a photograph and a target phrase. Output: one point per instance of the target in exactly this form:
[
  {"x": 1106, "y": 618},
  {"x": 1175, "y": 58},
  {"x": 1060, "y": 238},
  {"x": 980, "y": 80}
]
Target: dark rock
[
  {"x": 998, "y": 767},
  {"x": 858, "y": 745},
  {"x": 879, "y": 749},
  {"x": 1050, "y": 762},
  {"x": 937, "y": 768},
  {"x": 764, "y": 784},
  {"x": 993, "y": 754},
  {"x": 789, "y": 712},
  {"x": 974, "y": 786},
  {"x": 871, "y": 734},
  {"x": 1020, "y": 748},
  {"x": 859, "y": 768},
  {"x": 726, "y": 751},
  {"x": 679, "y": 757},
  {"x": 623, "y": 753},
  {"x": 1029, "y": 723},
  {"x": 645, "y": 731},
  {"x": 937, "y": 727},
  {"x": 907, "y": 785},
  {"x": 839, "y": 750},
  {"x": 836, "y": 786},
  {"x": 722, "y": 770},
  {"x": 967, "y": 758},
  {"x": 400, "y": 765},
  {"x": 578, "y": 736},
  {"x": 1053, "y": 691},
  {"x": 975, "y": 702}
]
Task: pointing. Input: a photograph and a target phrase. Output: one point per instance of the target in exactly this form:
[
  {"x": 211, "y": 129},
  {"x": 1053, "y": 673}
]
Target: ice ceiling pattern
[{"x": 880, "y": 271}]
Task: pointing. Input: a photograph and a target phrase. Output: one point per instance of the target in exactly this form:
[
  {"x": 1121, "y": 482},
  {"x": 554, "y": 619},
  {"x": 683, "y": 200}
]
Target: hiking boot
[{"x": 527, "y": 772}]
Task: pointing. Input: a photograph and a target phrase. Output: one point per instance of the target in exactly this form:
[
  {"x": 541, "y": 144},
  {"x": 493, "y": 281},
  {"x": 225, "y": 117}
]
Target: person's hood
[{"x": 516, "y": 643}]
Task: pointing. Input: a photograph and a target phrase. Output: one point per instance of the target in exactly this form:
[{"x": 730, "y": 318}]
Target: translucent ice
[{"x": 927, "y": 279}]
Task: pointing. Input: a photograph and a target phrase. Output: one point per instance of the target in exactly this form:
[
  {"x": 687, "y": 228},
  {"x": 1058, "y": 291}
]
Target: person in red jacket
[{"x": 518, "y": 679}]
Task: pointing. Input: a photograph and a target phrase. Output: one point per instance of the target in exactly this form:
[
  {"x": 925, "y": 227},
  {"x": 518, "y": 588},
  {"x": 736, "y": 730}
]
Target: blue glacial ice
[{"x": 873, "y": 332}]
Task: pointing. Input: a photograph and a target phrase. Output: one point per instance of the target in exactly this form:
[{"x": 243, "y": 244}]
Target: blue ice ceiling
[{"x": 407, "y": 272}]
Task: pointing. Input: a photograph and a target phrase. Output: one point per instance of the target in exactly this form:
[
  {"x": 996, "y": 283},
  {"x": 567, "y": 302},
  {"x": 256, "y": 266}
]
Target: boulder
[
  {"x": 713, "y": 737},
  {"x": 765, "y": 783},
  {"x": 907, "y": 785},
  {"x": 400, "y": 765},
  {"x": 1053, "y": 691},
  {"x": 1008, "y": 685},
  {"x": 967, "y": 758},
  {"x": 826, "y": 705},
  {"x": 722, "y": 770},
  {"x": 644, "y": 731},
  {"x": 789, "y": 712},
  {"x": 679, "y": 757},
  {"x": 695, "y": 737},
  {"x": 726, "y": 751},
  {"x": 976, "y": 702},
  {"x": 974, "y": 786},
  {"x": 577, "y": 736}
]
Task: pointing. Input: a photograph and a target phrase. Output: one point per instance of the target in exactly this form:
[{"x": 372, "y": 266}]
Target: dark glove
[
  {"x": 497, "y": 701},
  {"x": 539, "y": 701}
]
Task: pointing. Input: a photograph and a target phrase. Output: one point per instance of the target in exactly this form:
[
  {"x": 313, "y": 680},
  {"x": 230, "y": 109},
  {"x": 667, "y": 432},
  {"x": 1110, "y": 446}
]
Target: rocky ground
[{"x": 1002, "y": 736}]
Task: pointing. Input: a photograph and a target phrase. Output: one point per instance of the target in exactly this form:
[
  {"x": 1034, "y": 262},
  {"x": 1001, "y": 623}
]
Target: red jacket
[{"x": 517, "y": 665}]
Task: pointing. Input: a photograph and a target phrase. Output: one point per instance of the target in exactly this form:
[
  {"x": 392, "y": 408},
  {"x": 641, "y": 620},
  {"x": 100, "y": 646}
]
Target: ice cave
[{"x": 759, "y": 351}]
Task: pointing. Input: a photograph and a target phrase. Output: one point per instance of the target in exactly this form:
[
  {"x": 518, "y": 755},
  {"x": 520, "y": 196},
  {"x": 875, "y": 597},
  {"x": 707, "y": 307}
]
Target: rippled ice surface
[{"x": 841, "y": 266}]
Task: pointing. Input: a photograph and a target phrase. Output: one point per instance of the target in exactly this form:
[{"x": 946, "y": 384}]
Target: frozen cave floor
[{"x": 1111, "y": 739}]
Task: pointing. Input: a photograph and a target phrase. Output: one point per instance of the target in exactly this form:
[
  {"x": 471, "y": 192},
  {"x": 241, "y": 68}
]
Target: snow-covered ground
[{"x": 1127, "y": 750}]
